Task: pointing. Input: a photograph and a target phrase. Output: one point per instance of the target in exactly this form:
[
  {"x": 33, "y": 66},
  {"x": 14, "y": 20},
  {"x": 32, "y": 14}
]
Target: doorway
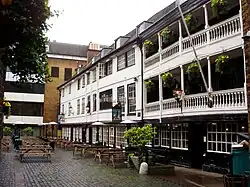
[{"x": 197, "y": 144}]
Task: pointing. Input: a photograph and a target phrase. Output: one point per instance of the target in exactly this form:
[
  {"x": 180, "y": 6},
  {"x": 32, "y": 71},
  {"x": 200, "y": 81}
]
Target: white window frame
[
  {"x": 62, "y": 110},
  {"x": 83, "y": 81},
  {"x": 121, "y": 62},
  {"x": 216, "y": 131},
  {"x": 94, "y": 75},
  {"x": 69, "y": 88},
  {"x": 78, "y": 106},
  {"x": 131, "y": 58},
  {"x": 131, "y": 98},
  {"x": 121, "y": 97},
  {"x": 177, "y": 136},
  {"x": 83, "y": 106},
  {"x": 109, "y": 67}
]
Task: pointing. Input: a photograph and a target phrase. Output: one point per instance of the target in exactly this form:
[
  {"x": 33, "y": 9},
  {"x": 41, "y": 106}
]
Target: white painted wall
[
  {"x": 26, "y": 119},
  {"x": 24, "y": 97}
]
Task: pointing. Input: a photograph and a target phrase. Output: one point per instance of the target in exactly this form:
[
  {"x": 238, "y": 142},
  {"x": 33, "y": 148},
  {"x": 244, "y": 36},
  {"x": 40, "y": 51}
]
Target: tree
[{"x": 23, "y": 41}]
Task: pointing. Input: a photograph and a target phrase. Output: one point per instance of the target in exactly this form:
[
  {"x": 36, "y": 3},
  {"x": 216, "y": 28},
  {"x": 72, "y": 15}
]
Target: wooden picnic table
[{"x": 37, "y": 150}]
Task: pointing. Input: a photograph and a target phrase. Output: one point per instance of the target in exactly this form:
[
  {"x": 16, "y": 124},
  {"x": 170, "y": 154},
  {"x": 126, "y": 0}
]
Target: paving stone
[{"x": 64, "y": 171}]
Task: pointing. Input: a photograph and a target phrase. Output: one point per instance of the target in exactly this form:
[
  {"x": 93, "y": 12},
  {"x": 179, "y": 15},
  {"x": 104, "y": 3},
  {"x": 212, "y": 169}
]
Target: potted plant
[
  {"x": 149, "y": 84},
  {"x": 165, "y": 33},
  {"x": 28, "y": 131},
  {"x": 167, "y": 79},
  {"x": 193, "y": 71},
  {"x": 7, "y": 131},
  {"x": 148, "y": 45},
  {"x": 139, "y": 137},
  {"x": 6, "y": 108},
  {"x": 188, "y": 19},
  {"x": 218, "y": 7},
  {"x": 220, "y": 63}
]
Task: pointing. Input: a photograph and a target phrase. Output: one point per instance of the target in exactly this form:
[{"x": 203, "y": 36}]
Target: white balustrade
[
  {"x": 224, "y": 29},
  {"x": 151, "y": 107},
  {"x": 216, "y": 32},
  {"x": 232, "y": 99}
]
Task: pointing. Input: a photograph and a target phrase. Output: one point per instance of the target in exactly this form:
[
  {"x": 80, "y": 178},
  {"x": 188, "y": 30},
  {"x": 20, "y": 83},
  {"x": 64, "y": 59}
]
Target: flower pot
[{"x": 136, "y": 161}]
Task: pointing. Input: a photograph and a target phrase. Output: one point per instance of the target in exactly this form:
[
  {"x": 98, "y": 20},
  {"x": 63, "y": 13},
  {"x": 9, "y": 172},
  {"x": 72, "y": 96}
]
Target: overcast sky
[{"x": 100, "y": 21}]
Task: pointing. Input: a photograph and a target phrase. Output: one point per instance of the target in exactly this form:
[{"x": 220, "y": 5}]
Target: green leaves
[
  {"x": 7, "y": 131},
  {"x": 28, "y": 131},
  {"x": 140, "y": 136},
  {"x": 24, "y": 26}
]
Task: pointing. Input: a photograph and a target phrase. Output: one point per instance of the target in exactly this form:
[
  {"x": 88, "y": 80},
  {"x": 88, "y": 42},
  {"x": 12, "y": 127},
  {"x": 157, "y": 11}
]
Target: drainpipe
[{"x": 139, "y": 43}]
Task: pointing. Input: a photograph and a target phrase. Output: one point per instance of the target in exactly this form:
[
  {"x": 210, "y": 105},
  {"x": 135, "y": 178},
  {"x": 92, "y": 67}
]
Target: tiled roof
[{"x": 57, "y": 48}]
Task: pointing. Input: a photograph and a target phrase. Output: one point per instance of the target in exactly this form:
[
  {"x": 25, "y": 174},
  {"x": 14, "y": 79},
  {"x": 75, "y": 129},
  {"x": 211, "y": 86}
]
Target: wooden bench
[
  {"x": 43, "y": 151},
  {"x": 5, "y": 146}
]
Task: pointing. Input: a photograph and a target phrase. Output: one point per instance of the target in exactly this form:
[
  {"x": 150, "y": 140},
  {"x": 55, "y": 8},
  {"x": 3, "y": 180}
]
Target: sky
[{"x": 99, "y": 21}]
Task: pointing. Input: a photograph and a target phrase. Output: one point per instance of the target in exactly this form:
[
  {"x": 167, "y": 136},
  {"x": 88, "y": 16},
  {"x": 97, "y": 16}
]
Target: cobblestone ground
[{"x": 64, "y": 171}]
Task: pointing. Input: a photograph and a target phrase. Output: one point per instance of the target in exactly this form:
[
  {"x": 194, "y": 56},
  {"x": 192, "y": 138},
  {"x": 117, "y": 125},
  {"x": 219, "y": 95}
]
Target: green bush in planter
[
  {"x": 7, "y": 131},
  {"x": 193, "y": 71},
  {"x": 168, "y": 79},
  {"x": 28, "y": 131},
  {"x": 140, "y": 137}
]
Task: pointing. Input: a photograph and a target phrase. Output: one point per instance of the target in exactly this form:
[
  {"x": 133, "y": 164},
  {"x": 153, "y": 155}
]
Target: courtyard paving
[{"x": 65, "y": 171}]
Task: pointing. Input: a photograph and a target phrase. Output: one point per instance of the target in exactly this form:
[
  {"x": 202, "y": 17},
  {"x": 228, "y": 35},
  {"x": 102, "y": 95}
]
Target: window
[
  {"x": 131, "y": 58},
  {"x": 165, "y": 137},
  {"x": 83, "y": 105},
  {"x": 78, "y": 84},
  {"x": 94, "y": 75},
  {"x": 88, "y": 104},
  {"x": 121, "y": 62},
  {"x": 63, "y": 92},
  {"x": 220, "y": 136},
  {"x": 131, "y": 98},
  {"x": 105, "y": 69},
  {"x": 94, "y": 102},
  {"x": 34, "y": 88},
  {"x": 83, "y": 81},
  {"x": 121, "y": 97},
  {"x": 120, "y": 136},
  {"x": 126, "y": 60},
  {"x": 67, "y": 74},
  {"x": 69, "y": 88},
  {"x": 78, "y": 106},
  {"x": 109, "y": 67},
  {"x": 106, "y": 100},
  {"x": 179, "y": 136},
  {"x": 26, "y": 108},
  {"x": 69, "y": 109},
  {"x": 62, "y": 110},
  {"x": 88, "y": 78},
  {"x": 54, "y": 71}
]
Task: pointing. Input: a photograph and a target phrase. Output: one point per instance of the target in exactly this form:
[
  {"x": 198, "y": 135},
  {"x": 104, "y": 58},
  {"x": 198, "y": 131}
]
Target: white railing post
[
  {"x": 180, "y": 37},
  {"x": 206, "y": 23}
]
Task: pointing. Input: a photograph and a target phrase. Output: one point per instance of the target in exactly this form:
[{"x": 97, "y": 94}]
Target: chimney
[{"x": 93, "y": 50}]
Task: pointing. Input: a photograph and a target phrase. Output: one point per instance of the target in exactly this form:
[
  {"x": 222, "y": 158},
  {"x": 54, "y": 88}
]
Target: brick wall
[
  {"x": 51, "y": 94},
  {"x": 246, "y": 27}
]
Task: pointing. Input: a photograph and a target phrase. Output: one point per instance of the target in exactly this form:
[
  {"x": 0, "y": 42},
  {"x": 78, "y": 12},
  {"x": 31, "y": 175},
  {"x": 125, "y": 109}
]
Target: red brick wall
[{"x": 246, "y": 27}]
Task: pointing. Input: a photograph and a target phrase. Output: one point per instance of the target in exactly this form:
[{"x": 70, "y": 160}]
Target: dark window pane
[
  {"x": 55, "y": 72},
  {"x": 34, "y": 88},
  {"x": 26, "y": 109},
  {"x": 67, "y": 73}
]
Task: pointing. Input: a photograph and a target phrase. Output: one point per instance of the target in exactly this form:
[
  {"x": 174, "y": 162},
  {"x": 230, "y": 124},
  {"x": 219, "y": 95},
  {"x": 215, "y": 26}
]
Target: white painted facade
[{"x": 208, "y": 42}]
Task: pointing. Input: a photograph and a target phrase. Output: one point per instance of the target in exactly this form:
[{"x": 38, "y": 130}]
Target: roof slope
[{"x": 57, "y": 48}]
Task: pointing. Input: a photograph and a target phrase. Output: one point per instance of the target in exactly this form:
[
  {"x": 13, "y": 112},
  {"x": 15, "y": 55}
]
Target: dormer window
[{"x": 126, "y": 60}]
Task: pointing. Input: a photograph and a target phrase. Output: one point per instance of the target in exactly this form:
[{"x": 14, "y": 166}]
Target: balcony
[
  {"x": 219, "y": 32},
  {"x": 225, "y": 102}
]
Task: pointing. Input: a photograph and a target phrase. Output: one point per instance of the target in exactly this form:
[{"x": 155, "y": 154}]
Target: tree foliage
[
  {"x": 23, "y": 27},
  {"x": 140, "y": 136}
]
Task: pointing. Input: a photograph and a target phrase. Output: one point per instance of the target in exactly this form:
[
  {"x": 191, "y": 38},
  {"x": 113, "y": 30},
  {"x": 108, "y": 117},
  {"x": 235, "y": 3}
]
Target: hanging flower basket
[
  {"x": 193, "y": 71},
  {"x": 218, "y": 7},
  {"x": 178, "y": 93},
  {"x": 149, "y": 84},
  {"x": 188, "y": 19},
  {"x": 148, "y": 45},
  {"x": 165, "y": 33},
  {"x": 168, "y": 80},
  {"x": 6, "y": 108},
  {"x": 220, "y": 62}
]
